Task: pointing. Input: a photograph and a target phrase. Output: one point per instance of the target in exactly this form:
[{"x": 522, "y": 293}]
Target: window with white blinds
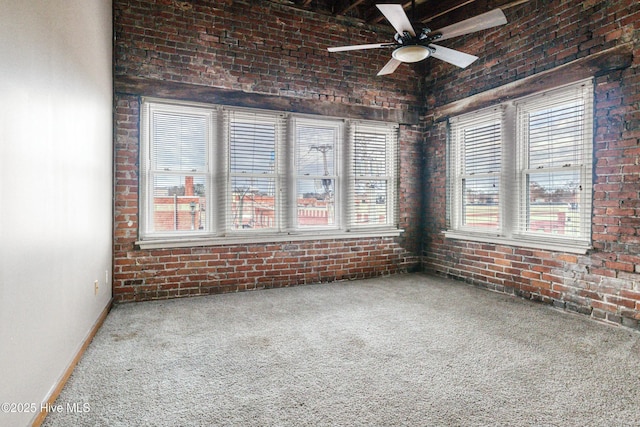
[
  {"x": 221, "y": 172},
  {"x": 373, "y": 168},
  {"x": 476, "y": 142},
  {"x": 317, "y": 160},
  {"x": 525, "y": 173},
  {"x": 176, "y": 169},
  {"x": 554, "y": 134},
  {"x": 254, "y": 182}
]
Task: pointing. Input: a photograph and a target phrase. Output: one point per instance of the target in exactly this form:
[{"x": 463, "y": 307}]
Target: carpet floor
[{"x": 412, "y": 350}]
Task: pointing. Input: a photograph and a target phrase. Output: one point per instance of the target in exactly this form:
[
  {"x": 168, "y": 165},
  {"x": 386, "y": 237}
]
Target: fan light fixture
[
  {"x": 412, "y": 53},
  {"x": 413, "y": 47}
]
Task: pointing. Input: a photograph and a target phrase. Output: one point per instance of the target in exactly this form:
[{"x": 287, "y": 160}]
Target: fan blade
[
  {"x": 455, "y": 57},
  {"x": 389, "y": 67},
  {"x": 359, "y": 46},
  {"x": 397, "y": 17},
  {"x": 481, "y": 22}
]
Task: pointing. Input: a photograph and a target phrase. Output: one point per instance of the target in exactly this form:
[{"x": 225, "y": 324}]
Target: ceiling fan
[{"x": 414, "y": 47}]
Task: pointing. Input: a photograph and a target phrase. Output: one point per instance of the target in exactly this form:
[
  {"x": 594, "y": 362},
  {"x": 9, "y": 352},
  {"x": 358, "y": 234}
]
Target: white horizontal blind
[
  {"x": 554, "y": 132},
  {"x": 176, "y": 171},
  {"x": 254, "y": 140},
  {"x": 476, "y": 160},
  {"x": 317, "y": 149},
  {"x": 373, "y": 168}
]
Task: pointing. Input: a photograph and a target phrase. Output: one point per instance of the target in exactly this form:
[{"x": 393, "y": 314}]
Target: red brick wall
[
  {"x": 541, "y": 35},
  {"x": 263, "y": 48}
]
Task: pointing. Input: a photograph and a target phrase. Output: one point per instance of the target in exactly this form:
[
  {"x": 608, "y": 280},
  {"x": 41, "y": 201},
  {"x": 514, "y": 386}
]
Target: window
[
  {"x": 522, "y": 171},
  {"x": 477, "y": 169},
  {"x": 253, "y": 173},
  {"x": 374, "y": 163},
  {"x": 317, "y": 149},
  {"x": 223, "y": 173},
  {"x": 177, "y": 166}
]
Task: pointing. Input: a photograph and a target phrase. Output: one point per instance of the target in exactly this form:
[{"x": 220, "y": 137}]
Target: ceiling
[{"x": 433, "y": 13}]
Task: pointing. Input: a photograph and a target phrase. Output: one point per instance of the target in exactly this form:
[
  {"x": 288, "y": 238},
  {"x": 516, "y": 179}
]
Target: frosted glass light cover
[{"x": 413, "y": 53}]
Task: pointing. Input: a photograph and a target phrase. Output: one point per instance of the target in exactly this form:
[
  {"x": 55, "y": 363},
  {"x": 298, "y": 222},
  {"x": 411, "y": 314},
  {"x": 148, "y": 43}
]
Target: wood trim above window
[
  {"x": 141, "y": 86},
  {"x": 616, "y": 58}
]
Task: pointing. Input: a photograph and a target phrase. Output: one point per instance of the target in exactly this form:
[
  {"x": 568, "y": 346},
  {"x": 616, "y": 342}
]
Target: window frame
[
  {"x": 514, "y": 185},
  {"x": 148, "y": 170},
  {"x": 391, "y": 176},
  {"x": 458, "y": 166},
  {"x": 259, "y": 117},
  {"x": 337, "y": 176},
  {"x": 219, "y": 198}
]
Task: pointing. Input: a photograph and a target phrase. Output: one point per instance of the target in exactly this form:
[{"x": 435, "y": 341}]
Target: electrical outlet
[
  {"x": 95, "y": 287},
  {"x": 106, "y": 277}
]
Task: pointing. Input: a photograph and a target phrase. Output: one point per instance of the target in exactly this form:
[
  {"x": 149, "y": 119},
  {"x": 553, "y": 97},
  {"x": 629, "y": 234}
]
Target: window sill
[
  {"x": 560, "y": 246},
  {"x": 186, "y": 242}
]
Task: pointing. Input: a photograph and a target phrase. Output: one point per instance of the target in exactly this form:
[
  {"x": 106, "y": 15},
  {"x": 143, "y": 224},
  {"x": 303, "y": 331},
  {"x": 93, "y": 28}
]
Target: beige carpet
[{"x": 408, "y": 350}]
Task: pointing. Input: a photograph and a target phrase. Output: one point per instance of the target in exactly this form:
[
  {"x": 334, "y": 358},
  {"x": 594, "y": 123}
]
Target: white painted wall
[{"x": 55, "y": 189}]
